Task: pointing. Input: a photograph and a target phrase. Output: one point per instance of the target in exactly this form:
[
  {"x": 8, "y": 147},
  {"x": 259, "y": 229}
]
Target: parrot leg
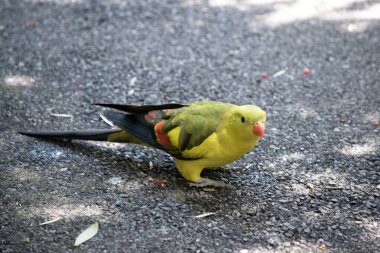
[
  {"x": 202, "y": 182},
  {"x": 191, "y": 171}
]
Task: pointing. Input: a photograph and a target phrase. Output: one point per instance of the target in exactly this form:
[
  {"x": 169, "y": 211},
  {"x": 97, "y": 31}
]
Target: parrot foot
[{"x": 209, "y": 182}]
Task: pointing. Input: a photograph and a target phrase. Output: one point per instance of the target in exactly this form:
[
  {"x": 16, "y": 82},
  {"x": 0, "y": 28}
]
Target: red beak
[{"x": 258, "y": 129}]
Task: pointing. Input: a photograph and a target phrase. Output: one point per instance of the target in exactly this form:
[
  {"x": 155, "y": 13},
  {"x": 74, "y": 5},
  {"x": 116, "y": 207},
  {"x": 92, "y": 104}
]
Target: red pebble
[
  {"x": 265, "y": 76},
  {"x": 160, "y": 182},
  {"x": 306, "y": 72}
]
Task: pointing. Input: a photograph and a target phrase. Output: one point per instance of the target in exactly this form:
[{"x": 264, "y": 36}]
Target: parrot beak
[{"x": 259, "y": 129}]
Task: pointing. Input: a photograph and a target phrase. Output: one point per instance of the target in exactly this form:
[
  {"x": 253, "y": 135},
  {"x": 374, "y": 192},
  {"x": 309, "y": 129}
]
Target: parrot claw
[{"x": 208, "y": 182}]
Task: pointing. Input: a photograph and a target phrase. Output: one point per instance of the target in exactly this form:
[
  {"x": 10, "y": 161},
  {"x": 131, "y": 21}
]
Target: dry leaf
[
  {"x": 110, "y": 123},
  {"x": 87, "y": 234},
  {"x": 279, "y": 73},
  {"x": 62, "y": 115},
  {"x": 133, "y": 81},
  {"x": 249, "y": 165},
  {"x": 209, "y": 190},
  {"x": 50, "y": 221},
  {"x": 203, "y": 215}
]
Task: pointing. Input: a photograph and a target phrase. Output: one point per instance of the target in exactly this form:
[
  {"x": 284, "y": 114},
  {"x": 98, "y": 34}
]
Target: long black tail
[{"x": 91, "y": 134}]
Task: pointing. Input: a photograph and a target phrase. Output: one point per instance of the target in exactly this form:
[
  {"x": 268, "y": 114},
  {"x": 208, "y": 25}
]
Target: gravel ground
[{"x": 312, "y": 184}]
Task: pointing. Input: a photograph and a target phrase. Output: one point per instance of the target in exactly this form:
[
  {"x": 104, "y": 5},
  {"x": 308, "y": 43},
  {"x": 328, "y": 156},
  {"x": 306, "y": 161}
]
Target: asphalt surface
[{"x": 311, "y": 185}]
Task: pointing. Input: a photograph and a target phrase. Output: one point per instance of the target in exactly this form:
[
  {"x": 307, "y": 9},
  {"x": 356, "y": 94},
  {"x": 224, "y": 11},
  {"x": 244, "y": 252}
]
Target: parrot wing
[
  {"x": 193, "y": 129},
  {"x": 140, "y": 121},
  {"x": 197, "y": 122},
  {"x": 153, "y": 124},
  {"x": 144, "y": 123}
]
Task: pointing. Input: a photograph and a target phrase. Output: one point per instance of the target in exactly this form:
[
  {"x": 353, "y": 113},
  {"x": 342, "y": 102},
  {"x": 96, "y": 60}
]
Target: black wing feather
[
  {"x": 135, "y": 109},
  {"x": 135, "y": 125},
  {"x": 90, "y": 134}
]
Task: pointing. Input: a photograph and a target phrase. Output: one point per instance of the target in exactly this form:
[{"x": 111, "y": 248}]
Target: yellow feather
[
  {"x": 174, "y": 136},
  {"x": 124, "y": 137},
  {"x": 219, "y": 149}
]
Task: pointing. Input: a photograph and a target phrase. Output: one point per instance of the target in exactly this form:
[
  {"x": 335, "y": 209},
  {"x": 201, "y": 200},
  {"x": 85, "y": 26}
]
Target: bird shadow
[{"x": 124, "y": 164}]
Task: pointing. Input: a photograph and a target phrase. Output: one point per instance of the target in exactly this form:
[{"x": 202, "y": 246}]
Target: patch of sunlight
[
  {"x": 69, "y": 211},
  {"x": 115, "y": 181},
  {"x": 373, "y": 228},
  {"x": 56, "y": 1},
  {"x": 20, "y": 80},
  {"x": 106, "y": 144},
  {"x": 307, "y": 112},
  {"x": 293, "y": 157},
  {"x": 285, "y": 13},
  {"x": 358, "y": 149},
  {"x": 303, "y": 111},
  {"x": 300, "y": 189},
  {"x": 283, "y": 246},
  {"x": 359, "y": 26},
  {"x": 373, "y": 118},
  {"x": 328, "y": 176},
  {"x": 125, "y": 186},
  {"x": 25, "y": 175},
  {"x": 372, "y": 12},
  {"x": 242, "y": 4},
  {"x": 132, "y": 186}
]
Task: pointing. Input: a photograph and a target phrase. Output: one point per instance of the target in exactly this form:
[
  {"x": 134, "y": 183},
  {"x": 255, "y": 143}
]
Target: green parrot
[{"x": 197, "y": 135}]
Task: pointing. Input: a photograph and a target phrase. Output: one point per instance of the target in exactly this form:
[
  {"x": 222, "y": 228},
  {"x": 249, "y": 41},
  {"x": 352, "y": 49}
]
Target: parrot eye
[{"x": 242, "y": 119}]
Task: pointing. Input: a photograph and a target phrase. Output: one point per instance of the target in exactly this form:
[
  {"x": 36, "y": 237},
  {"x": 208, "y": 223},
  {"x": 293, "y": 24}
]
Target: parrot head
[{"x": 247, "y": 121}]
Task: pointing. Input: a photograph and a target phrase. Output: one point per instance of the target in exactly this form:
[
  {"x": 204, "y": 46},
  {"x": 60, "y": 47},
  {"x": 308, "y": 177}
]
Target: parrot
[{"x": 198, "y": 135}]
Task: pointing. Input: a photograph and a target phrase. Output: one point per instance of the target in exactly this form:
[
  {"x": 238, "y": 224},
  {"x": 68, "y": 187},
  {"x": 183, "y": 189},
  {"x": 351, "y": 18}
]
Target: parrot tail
[{"x": 116, "y": 135}]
